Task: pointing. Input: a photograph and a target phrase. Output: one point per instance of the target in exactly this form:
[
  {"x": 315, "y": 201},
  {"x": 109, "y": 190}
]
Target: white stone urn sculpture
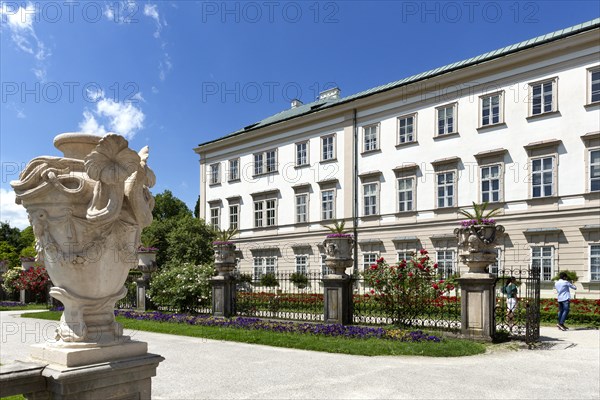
[
  {"x": 224, "y": 257},
  {"x": 476, "y": 245},
  {"x": 87, "y": 210},
  {"x": 146, "y": 261},
  {"x": 338, "y": 251}
]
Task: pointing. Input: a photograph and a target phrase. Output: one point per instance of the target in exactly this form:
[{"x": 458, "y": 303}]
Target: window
[
  {"x": 234, "y": 169},
  {"x": 404, "y": 255},
  {"x": 265, "y": 213},
  {"x": 215, "y": 217},
  {"x": 265, "y": 162},
  {"x": 328, "y": 148},
  {"x": 371, "y": 134},
  {"x": 215, "y": 173},
  {"x": 406, "y": 129},
  {"x": 543, "y": 97},
  {"x": 370, "y": 198},
  {"x": 496, "y": 266},
  {"x": 301, "y": 208},
  {"x": 446, "y": 119},
  {"x": 263, "y": 266},
  {"x": 491, "y": 109},
  {"x": 234, "y": 216},
  {"x": 595, "y": 262},
  {"x": 594, "y": 85},
  {"x": 490, "y": 183},
  {"x": 595, "y": 170},
  {"x": 327, "y": 204},
  {"x": 405, "y": 194},
  {"x": 445, "y": 262},
  {"x": 324, "y": 268},
  {"x": 258, "y": 164},
  {"x": 542, "y": 177},
  {"x": 369, "y": 259},
  {"x": 445, "y": 189},
  {"x": 301, "y": 154},
  {"x": 302, "y": 264},
  {"x": 258, "y": 214},
  {"x": 542, "y": 258}
]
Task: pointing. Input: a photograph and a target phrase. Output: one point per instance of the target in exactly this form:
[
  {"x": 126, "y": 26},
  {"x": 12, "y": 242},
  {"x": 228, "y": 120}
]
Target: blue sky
[{"x": 173, "y": 74}]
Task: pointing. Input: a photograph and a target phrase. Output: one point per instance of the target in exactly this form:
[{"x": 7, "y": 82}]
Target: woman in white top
[{"x": 563, "y": 287}]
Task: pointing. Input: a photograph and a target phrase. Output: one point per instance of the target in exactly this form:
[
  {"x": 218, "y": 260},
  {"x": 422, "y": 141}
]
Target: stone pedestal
[
  {"x": 142, "y": 286},
  {"x": 477, "y": 305},
  {"x": 337, "y": 293},
  {"x": 223, "y": 296}
]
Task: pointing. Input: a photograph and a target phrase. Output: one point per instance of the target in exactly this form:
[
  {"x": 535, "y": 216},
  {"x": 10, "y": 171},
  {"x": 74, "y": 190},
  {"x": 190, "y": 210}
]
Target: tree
[
  {"x": 168, "y": 206},
  {"x": 190, "y": 241},
  {"x": 27, "y": 238},
  {"x": 10, "y": 254},
  {"x": 10, "y": 235},
  {"x": 197, "y": 208}
]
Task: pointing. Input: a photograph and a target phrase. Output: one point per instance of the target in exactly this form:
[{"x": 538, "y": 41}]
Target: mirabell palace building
[{"x": 518, "y": 127}]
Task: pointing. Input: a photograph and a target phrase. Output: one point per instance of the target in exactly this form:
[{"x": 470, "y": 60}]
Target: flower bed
[
  {"x": 11, "y": 304},
  {"x": 581, "y": 311},
  {"x": 331, "y": 330}
]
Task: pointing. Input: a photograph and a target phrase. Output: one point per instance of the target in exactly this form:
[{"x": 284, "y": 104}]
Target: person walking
[
  {"x": 511, "y": 291},
  {"x": 563, "y": 287}
]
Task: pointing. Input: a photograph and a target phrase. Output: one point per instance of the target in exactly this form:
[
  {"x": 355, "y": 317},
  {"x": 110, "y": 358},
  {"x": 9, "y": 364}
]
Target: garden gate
[{"x": 525, "y": 321}]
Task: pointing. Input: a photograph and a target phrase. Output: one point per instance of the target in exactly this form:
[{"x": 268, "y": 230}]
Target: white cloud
[
  {"x": 123, "y": 118},
  {"x": 11, "y": 212},
  {"x": 154, "y": 89},
  {"x": 18, "y": 19},
  {"x": 121, "y": 12},
  {"x": 164, "y": 67},
  {"x": 151, "y": 10},
  {"x": 19, "y": 112},
  {"x": 138, "y": 97}
]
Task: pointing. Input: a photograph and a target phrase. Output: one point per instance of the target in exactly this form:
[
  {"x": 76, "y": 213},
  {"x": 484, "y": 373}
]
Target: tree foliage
[
  {"x": 190, "y": 241},
  {"x": 168, "y": 206},
  {"x": 183, "y": 286}
]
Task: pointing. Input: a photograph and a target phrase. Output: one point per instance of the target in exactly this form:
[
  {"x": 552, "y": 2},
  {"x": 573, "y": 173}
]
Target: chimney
[
  {"x": 296, "y": 103},
  {"x": 333, "y": 93}
]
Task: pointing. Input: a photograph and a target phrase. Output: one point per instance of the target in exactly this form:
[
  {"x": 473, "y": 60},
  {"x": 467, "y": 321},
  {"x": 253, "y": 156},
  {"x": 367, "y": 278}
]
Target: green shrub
[
  {"x": 10, "y": 279},
  {"x": 571, "y": 275},
  {"x": 299, "y": 279},
  {"x": 269, "y": 280},
  {"x": 183, "y": 286}
]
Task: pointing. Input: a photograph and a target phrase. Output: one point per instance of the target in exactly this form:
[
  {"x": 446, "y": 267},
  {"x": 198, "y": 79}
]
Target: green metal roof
[{"x": 328, "y": 103}]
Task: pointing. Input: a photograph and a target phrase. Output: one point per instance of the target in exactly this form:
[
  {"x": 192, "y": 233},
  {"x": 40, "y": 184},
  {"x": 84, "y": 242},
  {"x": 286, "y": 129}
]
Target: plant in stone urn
[
  {"x": 224, "y": 251},
  {"x": 87, "y": 210},
  {"x": 146, "y": 253},
  {"x": 477, "y": 236},
  {"x": 338, "y": 248}
]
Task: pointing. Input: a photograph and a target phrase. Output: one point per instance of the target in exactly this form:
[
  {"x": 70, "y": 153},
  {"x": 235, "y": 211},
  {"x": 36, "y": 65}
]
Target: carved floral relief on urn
[{"x": 87, "y": 210}]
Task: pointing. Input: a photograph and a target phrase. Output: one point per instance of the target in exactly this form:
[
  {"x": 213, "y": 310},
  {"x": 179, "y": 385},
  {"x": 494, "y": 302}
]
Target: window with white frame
[
  {"x": 265, "y": 213},
  {"x": 595, "y": 262},
  {"x": 404, "y": 255},
  {"x": 595, "y": 170},
  {"x": 371, "y": 137},
  {"x": 301, "y": 208},
  {"x": 497, "y": 265},
  {"x": 542, "y": 177},
  {"x": 490, "y": 183},
  {"x": 369, "y": 259},
  {"x": 324, "y": 268},
  {"x": 328, "y": 148},
  {"x": 491, "y": 109},
  {"x": 594, "y": 85},
  {"x": 302, "y": 264},
  {"x": 445, "y": 189},
  {"x": 301, "y": 154},
  {"x": 258, "y": 163},
  {"x": 446, "y": 119},
  {"x": 328, "y": 204},
  {"x": 370, "y": 195},
  {"x": 263, "y": 266},
  {"x": 445, "y": 261},
  {"x": 271, "y": 161},
  {"x": 234, "y": 216},
  {"x": 215, "y": 217},
  {"x": 407, "y": 129},
  {"x": 234, "y": 169},
  {"x": 259, "y": 214},
  {"x": 542, "y": 97},
  {"x": 405, "y": 194},
  {"x": 542, "y": 257},
  {"x": 215, "y": 173}
]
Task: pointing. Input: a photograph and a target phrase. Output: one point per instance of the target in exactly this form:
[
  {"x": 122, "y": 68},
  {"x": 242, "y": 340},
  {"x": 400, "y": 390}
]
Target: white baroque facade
[{"x": 518, "y": 127}]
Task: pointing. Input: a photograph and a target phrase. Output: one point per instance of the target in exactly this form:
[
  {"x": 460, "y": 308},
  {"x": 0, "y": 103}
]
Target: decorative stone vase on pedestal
[
  {"x": 224, "y": 284},
  {"x": 337, "y": 286},
  {"x": 87, "y": 210},
  {"x": 476, "y": 244},
  {"x": 146, "y": 265}
]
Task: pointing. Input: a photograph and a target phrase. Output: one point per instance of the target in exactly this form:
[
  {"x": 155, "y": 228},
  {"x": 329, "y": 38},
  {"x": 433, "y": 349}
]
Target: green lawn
[
  {"x": 368, "y": 347},
  {"x": 25, "y": 307}
]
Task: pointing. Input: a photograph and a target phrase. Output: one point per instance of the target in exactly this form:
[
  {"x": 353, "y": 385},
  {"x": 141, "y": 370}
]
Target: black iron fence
[
  {"x": 284, "y": 295},
  {"x": 519, "y": 314}
]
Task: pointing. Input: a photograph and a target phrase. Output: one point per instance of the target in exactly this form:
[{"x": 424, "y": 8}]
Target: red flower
[{"x": 423, "y": 251}]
